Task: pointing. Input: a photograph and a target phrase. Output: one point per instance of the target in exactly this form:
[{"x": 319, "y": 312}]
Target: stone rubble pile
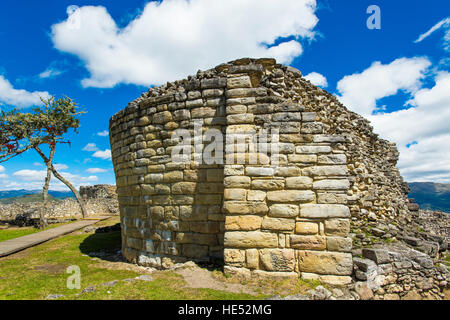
[{"x": 99, "y": 199}]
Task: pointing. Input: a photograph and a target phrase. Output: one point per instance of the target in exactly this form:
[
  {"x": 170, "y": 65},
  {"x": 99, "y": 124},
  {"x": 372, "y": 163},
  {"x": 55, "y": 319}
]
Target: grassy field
[
  {"x": 11, "y": 233},
  {"x": 39, "y": 271}
]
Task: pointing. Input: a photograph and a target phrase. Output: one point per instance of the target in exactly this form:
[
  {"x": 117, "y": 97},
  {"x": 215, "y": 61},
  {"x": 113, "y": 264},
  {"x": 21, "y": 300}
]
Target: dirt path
[{"x": 201, "y": 278}]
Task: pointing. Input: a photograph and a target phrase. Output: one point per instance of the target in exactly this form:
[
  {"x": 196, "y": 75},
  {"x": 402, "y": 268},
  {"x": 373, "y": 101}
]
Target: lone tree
[{"x": 47, "y": 125}]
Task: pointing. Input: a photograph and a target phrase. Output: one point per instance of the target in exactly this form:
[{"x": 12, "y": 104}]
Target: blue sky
[{"x": 104, "y": 54}]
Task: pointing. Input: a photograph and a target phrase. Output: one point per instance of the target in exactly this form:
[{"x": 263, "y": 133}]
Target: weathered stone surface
[
  {"x": 290, "y": 196},
  {"x": 324, "y": 211},
  {"x": 340, "y": 244},
  {"x": 280, "y": 224},
  {"x": 306, "y": 228},
  {"x": 320, "y": 262},
  {"x": 337, "y": 227},
  {"x": 241, "y": 207},
  {"x": 243, "y": 223},
  {"x": 299, "y": 183},
  {"x": 250, "y": 239},
  {"x": 332, "y": 184},
  {"x": 380, "y": 256},
  {"x": 277, "y": 259},
  {"x": 308, "y": 242},
  {"x": 283, "y": 210}
]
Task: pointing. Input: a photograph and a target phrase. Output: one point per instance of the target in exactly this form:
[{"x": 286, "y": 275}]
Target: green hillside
[
  {"x": 35, "y": 197},
  {"x": 432, "y": 196}
]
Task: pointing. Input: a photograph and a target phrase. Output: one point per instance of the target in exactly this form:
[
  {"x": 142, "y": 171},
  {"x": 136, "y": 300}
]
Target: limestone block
[
  {"x": 162, "y": 117},
  {"x": 338, "y": 170},
  {"x": 299, "y": 183},
  {"x": 306, "y": 228},
  {"x": 184, "y": 188},
  {"x": 288, "y": 171},
  {"x": 237, "y": 182},
  {"x": 283, "y": 210},
  {"x": 173, "y": 176},
  {"x": 308, "y": 242},
  {"x": 252, "y": 258},
  {"x": 250, "y": 239},
  {"x": 324, "y": 211},
  {"x": 279, "y": 224},
  {"x": 243, "y": 223},
  {"x": 339, "y": 158},
  {"x": 287, "y": 116},
  {"x": 243, "y": 207},
  {"x": 291, "y": 196},
  {"x": 259, "y": 171},
  {"x": 302, "y": 158},
  {"x": 309, "y": 116},
  {"x": 340, "y": 244},
  {"x": 235, "y": 194},
  {"x": 237, "y": 109},
  {"x": 331, "y": 198},
  {"x": 267, "y": 184},
  {"x": 211, "y": 93},
  {"x": 332, "y": 184},
  {"x": 234, "y": 257},
  {"x": 337, "y": 227},
  {"x": 239, "y": 82},
  {"x": 328, "y": 263},
  {"x": 277, "y": 259},
  {"x": 256, "y": 195},
  {"x": 240, "y": 118}
]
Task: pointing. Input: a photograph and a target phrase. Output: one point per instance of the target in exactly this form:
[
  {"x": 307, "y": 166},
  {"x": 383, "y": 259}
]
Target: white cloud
[
  {"x": 103, "y": 133},
  {"x": 173, "y": 38},
  {"x": 34, "y": 179},
  {"x": 103, "y": 154},
  {"x": 317, "y": 79},
  {"x": 425, "y": 128},
  {"x": 360, "y": 91},
  {"x": 96, "y": 170},
  {"x": 50, "y": 73},
  {"x": 90, "y": 147},
  {"x": 445, "y": 25},
  {"x": 2, "y": 169},
  {"x": 60, "y": 166},
  {"x": 19, "y": 97},
  {"x": 3, "y": 176}
]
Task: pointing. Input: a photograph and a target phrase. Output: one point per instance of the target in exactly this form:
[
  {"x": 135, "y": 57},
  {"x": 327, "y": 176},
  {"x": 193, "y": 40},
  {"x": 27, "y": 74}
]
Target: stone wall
[{"x": 289, "y": 217}]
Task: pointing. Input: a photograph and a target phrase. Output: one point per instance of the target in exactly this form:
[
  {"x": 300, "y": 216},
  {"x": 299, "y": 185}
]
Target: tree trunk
[
  {"x": 63, "y": 180},
  {"x": 42, "y": 221}
]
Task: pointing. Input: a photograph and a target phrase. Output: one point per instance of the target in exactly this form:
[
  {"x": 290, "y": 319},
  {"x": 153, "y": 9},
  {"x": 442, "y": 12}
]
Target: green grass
[
  {"x": 7, "y": 234},
  {"x": 41, "y": 270}
]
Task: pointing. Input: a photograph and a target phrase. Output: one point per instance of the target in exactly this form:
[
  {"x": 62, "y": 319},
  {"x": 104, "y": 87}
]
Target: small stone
[{"x": 145, "y": 277}]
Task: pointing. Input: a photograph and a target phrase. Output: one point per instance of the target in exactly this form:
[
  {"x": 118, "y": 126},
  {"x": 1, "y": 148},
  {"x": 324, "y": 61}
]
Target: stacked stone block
[{"x": 284, "y": 211}]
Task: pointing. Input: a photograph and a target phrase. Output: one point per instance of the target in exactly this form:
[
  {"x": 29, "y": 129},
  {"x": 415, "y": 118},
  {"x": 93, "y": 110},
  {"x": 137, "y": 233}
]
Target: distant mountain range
[
  {"x": 22, "y": 195},
  {"x": 432, "y": 196}
]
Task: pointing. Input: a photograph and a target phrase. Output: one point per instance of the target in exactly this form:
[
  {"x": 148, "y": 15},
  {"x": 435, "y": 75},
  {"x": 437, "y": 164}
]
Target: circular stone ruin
[{"x": 270, "y": 169}]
